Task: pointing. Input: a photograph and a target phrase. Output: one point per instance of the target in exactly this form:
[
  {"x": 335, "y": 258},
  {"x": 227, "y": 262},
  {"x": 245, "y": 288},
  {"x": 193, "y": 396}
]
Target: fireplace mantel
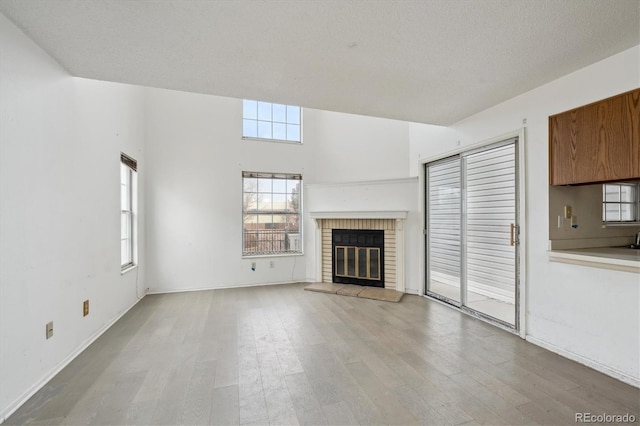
[{"x": 368, "y": 214}]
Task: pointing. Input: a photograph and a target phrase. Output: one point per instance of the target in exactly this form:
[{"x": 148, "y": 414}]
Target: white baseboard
[
  {"x": 186, "y": 290},
  {"x": 13, "y": 407},
  {"x": 612, "y": 372}
]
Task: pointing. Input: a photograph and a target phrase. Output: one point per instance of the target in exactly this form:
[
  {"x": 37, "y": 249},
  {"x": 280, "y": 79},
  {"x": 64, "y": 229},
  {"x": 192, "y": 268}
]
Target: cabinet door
[
  {"x": 631, "y": 125},
  {"x": 605, "y": 144},
  {"x": 562, "y": 147},
  {"x": 596, "y": 143}
]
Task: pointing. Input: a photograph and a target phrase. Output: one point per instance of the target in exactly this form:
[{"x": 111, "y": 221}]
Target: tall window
[
  {"x": 264, "y": 120},
  {"x": 621, "y": 202},
  {"x": 272, "y": 210},
  {"x": 128, "y": 168}
]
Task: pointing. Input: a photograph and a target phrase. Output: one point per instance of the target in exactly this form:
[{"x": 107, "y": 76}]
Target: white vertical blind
[
  {"x": 490, "y": 183},
  {"x": 444, "y": 221}
]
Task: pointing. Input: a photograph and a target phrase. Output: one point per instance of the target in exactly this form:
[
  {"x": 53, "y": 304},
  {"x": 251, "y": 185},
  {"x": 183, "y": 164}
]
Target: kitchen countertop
[{"x": 618, "y": 258}]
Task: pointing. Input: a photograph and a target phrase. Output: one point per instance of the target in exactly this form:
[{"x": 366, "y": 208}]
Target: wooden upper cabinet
[{"x": 599, "y": 142}]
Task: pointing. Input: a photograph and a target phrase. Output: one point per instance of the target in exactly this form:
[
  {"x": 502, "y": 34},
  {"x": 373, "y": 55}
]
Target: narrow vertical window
[{"x": 128, "y": 171}]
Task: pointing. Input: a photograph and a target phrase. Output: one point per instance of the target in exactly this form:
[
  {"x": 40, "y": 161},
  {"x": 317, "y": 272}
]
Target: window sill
[
  {"x": 246, "y": 138},
  {"x": 127, "y": 269},
  {"x": 615, "y": 258},
  {"x": 257, "y": 256},
  {"x": 619, "y": 224}
]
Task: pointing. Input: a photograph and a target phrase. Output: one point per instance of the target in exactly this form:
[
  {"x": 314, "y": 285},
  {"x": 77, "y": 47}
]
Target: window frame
[
  {"x": 258, "y": 212},
  {"x": 300, "y": 124},
  {"x": 128, "y": 170},
  {"x": 635, "y": 204}
]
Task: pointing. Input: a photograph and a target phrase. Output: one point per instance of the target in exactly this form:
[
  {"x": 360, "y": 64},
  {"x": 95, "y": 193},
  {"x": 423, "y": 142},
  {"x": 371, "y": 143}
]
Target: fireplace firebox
[{"x": 358, "y": 257}]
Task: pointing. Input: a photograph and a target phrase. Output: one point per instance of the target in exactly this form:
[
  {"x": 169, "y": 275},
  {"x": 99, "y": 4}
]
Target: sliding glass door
[
  {"x": 471, "y": 231},
  {"x": 444, "y": 237}
]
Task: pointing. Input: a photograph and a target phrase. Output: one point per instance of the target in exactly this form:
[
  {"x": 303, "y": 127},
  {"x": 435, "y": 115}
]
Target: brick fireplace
[{"x": 391, "y": 223}]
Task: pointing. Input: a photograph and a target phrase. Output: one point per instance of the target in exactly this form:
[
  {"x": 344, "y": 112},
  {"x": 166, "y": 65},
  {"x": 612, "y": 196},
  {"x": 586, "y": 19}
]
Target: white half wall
[
  {"x": 589, "y": 314},
  {"x": 60, "y": 144}
]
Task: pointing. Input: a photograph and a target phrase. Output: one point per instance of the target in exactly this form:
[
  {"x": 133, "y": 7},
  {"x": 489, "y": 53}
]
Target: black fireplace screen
[{"x": 358, "y": 257}]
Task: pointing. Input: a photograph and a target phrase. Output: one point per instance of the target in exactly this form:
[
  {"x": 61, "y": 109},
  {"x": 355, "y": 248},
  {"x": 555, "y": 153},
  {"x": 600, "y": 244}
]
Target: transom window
[
  {"x": 128, "y": 168},
  {"x": 621, "y": 202},
  {"x": 272, "y": 209},
  {"x": 264, "y": 120}
]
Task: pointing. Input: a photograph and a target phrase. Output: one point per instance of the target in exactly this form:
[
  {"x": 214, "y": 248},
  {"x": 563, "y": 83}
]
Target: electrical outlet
[
  {"x": 253, "y": 266},
  {"x": 271, "y": 264},
  {"x": 574, "y": 222},
  {"x": 85, "y": 308},
  {"x": 567, "y": 212},
  {"x": 49, "y": 330},
  {"x": 560, "y": 222}
]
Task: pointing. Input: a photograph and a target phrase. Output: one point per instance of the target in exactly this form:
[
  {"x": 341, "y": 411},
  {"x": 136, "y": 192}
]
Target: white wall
[
  {"x": 60, "y": 143},
  {"x": 196, "y": 156},
  {"x": 586, "y": 313},
  {"x": 426, "y": 139},
  {"x": 352, "y": 148},
  {"x": 586, "y": 204}
]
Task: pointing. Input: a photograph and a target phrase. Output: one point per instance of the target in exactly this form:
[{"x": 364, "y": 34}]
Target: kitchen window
[
  {"x": 276, "y": 122},
  {"x": 621, "y": 203},
  {"x": 271, "y": 212}
]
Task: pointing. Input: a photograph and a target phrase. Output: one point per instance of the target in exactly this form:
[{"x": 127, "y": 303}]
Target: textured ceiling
[{"x": 431, "y": 61}]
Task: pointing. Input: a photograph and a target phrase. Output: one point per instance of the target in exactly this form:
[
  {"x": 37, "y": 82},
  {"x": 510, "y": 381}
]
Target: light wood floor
[{"x": 281, "y": 355}]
